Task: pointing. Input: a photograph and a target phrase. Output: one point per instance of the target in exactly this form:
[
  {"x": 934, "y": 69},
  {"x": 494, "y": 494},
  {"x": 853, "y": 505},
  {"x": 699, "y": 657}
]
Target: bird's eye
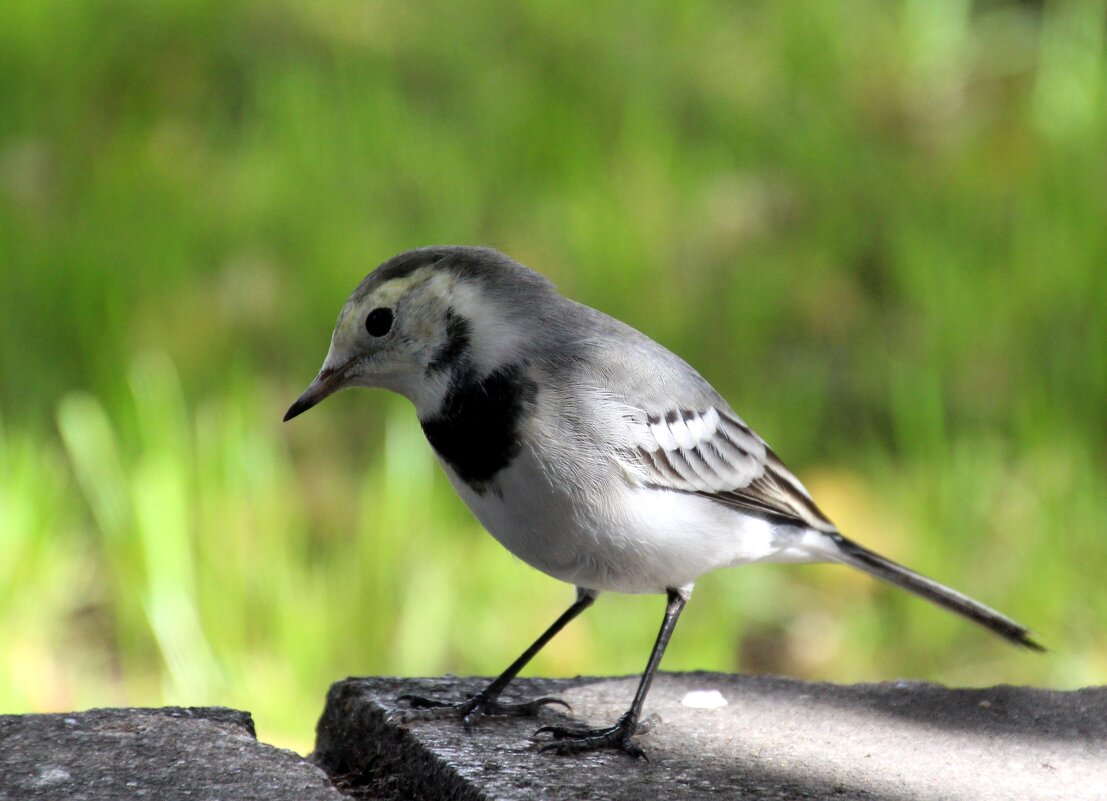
[{"x": 379, "y": 322}]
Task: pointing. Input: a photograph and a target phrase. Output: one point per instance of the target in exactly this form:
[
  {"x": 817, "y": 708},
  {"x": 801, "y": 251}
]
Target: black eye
[{"x": 379, "y": 322}]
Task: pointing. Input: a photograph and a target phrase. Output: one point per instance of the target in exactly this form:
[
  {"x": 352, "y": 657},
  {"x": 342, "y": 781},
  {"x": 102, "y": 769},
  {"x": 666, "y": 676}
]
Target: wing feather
[{"x": 712, "y": 452}]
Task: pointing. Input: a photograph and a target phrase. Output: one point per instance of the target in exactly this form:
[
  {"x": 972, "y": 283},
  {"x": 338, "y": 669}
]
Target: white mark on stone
[
  {"x": 703, "y": 699},
  {"x": 51, "y": 775}
]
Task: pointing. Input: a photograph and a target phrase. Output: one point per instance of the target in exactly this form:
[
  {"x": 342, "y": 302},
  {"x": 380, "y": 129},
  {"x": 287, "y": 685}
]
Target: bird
[{"x": 588, "y": 450}]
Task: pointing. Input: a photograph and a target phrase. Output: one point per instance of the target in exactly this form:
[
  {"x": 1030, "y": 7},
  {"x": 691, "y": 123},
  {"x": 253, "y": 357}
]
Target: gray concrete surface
[
  {"x": 774, "y": 739},
  {"x": 171, "y": 754}
]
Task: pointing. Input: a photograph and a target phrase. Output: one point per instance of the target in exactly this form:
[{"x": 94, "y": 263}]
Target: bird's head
[{"x": 422, "y": 317}]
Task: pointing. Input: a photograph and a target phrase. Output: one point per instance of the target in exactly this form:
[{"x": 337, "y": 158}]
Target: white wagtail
[{"x": 587, "y": 449}]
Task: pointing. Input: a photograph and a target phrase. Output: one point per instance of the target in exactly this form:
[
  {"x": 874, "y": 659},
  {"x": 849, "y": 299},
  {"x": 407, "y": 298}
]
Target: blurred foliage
[{"x": 879, "y": 228}]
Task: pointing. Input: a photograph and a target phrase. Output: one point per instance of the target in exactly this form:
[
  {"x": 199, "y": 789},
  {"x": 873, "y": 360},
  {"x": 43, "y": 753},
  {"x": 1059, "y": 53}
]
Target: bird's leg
[
  {"x": 487, "y": 702},
  {"x": 572, "y": 741}
]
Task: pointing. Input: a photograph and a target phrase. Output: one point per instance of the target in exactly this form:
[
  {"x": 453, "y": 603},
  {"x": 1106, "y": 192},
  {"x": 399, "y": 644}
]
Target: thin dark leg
[
  {"x": 486, "y": 701},
  {"x": 571, "y": 741}
]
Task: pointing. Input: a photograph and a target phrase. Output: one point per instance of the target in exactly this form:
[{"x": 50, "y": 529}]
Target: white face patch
[
  {"x": 437, "y": 283},
  {"x": 497, "y": 338},
  {"x": 419, "y": 300},
  {"x": 419, "y": 321}
]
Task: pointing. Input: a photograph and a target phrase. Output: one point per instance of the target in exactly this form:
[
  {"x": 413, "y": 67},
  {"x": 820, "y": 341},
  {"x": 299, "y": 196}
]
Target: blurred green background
[{"x": 879, "y": 228}]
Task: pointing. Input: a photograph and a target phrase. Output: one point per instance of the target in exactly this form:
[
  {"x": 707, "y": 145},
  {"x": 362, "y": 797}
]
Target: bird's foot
[
  {"x": 618, "y": 737},
  {"x": 471, "y": 709}
]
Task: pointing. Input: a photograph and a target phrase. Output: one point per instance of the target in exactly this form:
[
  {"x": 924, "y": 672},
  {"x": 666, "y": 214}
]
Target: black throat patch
[
  {"x": 455, "y": 350},
  {"x": 477, "y": 429}
]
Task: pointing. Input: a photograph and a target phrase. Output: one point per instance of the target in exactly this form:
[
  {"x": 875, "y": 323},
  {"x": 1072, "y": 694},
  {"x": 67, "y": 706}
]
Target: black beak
[
  {"x": 326, "y": 383},
  {"x": 302, "y": 404}
]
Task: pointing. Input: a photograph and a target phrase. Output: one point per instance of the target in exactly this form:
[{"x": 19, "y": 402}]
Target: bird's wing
[
  {"x": 712, "y": 452},
  {"x": 667, "y": 427}
]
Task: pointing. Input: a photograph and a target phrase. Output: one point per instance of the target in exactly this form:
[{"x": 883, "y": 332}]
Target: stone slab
[
  {"x": 774, "y": 738},
  {"x": 169, "y": 754}
]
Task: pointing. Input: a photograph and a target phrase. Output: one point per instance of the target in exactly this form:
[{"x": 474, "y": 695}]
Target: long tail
[{"x": 850, "y": 553}]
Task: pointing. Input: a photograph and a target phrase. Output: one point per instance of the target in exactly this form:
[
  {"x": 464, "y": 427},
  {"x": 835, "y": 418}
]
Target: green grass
[{"x": 876, "y": 227}]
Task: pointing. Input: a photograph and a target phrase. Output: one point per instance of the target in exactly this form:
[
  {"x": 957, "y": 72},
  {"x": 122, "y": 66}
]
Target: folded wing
[{"x": 712, "y": 452}]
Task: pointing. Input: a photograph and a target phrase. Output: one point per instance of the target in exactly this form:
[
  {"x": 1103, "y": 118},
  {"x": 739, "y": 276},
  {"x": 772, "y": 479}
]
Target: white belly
[{"x": 615, "y": 537}]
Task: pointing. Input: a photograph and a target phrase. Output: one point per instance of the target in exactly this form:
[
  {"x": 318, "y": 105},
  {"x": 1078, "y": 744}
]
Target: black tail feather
[{"x": 873, "y": 563}]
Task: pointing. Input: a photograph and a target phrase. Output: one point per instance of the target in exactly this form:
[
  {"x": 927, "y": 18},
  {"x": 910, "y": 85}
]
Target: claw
[
  {"x": 576, "y": 741},
  {"x": 536, "y": 705},
  {"x": 555, "y": 732},
  {"x": 469, "y": 711}
]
